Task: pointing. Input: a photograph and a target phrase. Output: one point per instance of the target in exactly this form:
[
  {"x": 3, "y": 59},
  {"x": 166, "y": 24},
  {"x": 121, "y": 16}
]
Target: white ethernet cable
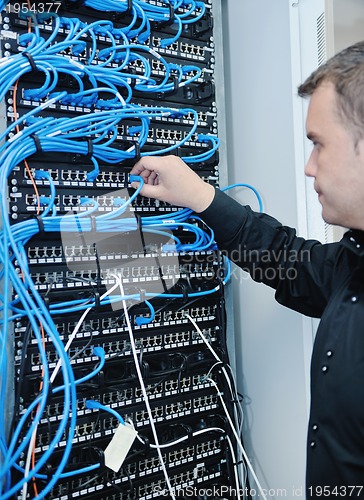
[
  {"x": 237, "y": 485},
  {"x": 237, "y": 437},
  {"x": 232, "y": 389},
  {"x": 76, "y": 329},
  {"x": 142, "y": 385}
]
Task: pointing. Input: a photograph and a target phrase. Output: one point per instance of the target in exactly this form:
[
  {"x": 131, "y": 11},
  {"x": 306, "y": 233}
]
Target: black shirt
[{"x": 318, "y": 280}]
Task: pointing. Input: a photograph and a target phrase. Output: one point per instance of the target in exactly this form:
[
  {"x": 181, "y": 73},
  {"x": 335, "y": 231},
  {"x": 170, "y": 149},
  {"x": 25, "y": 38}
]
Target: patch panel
[
  {"x": 88, "y": 278},
  {"x": 183, "y": 479},
  {"x": 114, "y": 252},
  {"x": 133, "y": 490},
  {"x": 172, "y": 327},
  {"x": 23, "y": 201},
  {"x": 166, "y": 128}
]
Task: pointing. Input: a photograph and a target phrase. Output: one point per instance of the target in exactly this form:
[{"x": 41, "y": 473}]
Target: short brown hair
[{"x": 346, "y": 71}]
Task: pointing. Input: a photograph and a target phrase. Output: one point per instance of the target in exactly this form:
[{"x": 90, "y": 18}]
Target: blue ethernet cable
[
  {"x": 198, "y": 158},
  {"x": 142, "y": 32},
  {"x": 123, "y": 204},
  {"x": 92, "y": 404},
  {"x": 100, "y": 353},
  {"x": 145, "y": 320},
  {"x": 249, "y": 186},
  {"x": 42, "y": 43},
  {"x": 42, "y": 460},
  {"x": 195, "y": 5},
  {"x": 41, "y": 174}
]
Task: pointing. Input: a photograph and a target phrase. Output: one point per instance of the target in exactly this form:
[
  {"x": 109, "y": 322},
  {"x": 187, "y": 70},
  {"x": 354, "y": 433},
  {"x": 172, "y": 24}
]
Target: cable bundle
[
  {"x": 179, "y": 12},
  {"x": 108, "y": 72}
]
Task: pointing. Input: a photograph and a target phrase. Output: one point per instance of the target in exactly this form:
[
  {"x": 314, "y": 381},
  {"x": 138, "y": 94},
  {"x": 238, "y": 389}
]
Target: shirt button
[
  {"x": 314, "y": 427},
  {"x": 313, "y": 444},
  {"x": 352, "y": 239},
  {"x": 329, "y": 353},
  {"x": 324, "y": 369},
  {"x": 354, "y": 299},
  {"x": 358, "y": 246}
]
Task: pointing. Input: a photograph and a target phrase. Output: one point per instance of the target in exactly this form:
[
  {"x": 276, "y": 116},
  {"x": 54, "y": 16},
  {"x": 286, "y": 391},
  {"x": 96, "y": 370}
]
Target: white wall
[
  {"x": 270, "y": 346},
  {"x": 348, "y": 23}
]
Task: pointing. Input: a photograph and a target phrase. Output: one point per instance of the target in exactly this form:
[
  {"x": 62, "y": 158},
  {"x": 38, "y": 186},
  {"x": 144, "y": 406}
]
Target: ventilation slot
[{"x": 321, "y": 39}]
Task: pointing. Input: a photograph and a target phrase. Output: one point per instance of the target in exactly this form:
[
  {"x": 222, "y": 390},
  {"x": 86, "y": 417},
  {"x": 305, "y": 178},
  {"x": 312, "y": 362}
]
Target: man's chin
[
  {"x": 330, "y": 219},
  {"x": 326, "y": 216}
]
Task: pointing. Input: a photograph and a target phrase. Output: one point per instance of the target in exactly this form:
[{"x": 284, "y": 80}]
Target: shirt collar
[{"x": 354, "y": 241}]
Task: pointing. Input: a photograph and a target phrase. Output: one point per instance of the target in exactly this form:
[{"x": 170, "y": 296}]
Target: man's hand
[{"x": 169, "y": 179}]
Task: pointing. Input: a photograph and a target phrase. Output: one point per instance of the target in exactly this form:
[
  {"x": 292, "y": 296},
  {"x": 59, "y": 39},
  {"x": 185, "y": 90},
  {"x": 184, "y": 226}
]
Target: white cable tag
[{"x": 119, "y": 446}]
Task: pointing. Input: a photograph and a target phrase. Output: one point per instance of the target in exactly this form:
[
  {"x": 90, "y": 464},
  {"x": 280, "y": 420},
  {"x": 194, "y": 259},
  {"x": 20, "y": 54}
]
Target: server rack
[{"x": 114, "y": 323}]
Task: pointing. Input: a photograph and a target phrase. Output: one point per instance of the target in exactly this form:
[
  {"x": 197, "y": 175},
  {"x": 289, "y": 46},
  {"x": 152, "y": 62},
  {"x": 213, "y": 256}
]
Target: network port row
[
  {"x": 153, "y": 489},
  {"x": 174, "y": 135},
  {"x": 89, "y": 251},
  {"x": 78, "y": 175},
  {"x": 175, "y": 410},
  {"x": 53, "y": 356},
  {"x": 124, "y": 397},
  {"x": 173, "y": 385},
  {"x": 157, "y": 342},
  {"x": 205, "y": 312},
  {"x": 183, "y": 47},
  {"x": 150, "y": 465},
  {"x": 113, "y": 324},
  {"x": 159, "y": 68},
  {"x": 84, "y": 277},
  {"x": 128, "y": 131},
  {"x": 79, "y": 202},
  {"x": 73, "y": 201}
]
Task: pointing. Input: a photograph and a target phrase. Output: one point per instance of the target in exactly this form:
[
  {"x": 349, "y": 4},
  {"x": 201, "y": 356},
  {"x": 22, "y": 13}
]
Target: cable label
[{"x": 119, "y": 446}]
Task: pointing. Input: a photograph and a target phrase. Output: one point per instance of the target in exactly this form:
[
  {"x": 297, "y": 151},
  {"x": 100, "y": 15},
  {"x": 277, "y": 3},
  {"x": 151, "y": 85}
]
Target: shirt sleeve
[{"x": 301, "y": 271}]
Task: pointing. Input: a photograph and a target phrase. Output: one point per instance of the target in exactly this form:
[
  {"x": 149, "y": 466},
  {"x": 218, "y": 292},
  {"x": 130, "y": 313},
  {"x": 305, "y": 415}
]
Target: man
[{"x": 328, "y": 280}]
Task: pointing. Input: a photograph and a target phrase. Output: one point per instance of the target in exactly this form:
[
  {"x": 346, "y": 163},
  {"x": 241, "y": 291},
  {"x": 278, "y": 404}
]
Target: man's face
[{"x": 335, "y": 163}]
